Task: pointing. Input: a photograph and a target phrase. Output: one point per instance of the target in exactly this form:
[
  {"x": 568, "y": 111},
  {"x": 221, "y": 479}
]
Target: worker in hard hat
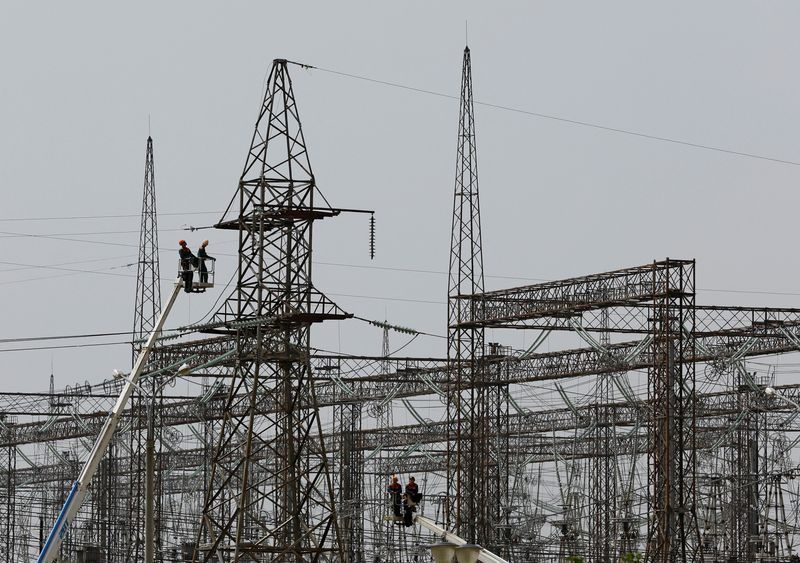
[
  {"x": 395, "y": 490},
  {"x": 412, "y": 490},
  {"x": 187, "y": 262},
  {"x": 202, "y": 255},
  {"x": 411, "y": 498}
]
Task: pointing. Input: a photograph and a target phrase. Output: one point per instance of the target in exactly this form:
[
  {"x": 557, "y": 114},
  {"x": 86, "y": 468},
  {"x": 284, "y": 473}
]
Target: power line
[
  {"x": 443, "y": 273},
  {"x": 63, "y": 337},
  {"x": 750, "y": 291},
  {"x": 421, "y": 271},
  {"x": 85, "y": 241},
  {"x": 40, "y": 278},
  {"x": 87, "y": 233},
  {"x": 68, "y": 337},
  {"x": 401, "y": 299},
  {"x": 65, "y": 263},
  {"x": 563, "y": 119},
  {"x": 49, "y": 237},
  {"x": 75, "y": 271},
  {"x": 122, "y": 216},
  {"x": 102, "y": 272},
  {"x": 92, "y": 345}
]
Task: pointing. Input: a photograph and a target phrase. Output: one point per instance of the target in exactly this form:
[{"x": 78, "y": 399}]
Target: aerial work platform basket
[{"x": 201, "y": 271}]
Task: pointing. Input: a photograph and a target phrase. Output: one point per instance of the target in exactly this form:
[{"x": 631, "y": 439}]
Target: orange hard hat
[{"x": 182, "y": 242}]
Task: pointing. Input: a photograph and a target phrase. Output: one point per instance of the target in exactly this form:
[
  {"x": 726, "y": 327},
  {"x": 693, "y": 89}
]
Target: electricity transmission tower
[
  {"x": 654, "y": 443},
  {"x": 471, "y": 471},
  {"x": 148, "y": 289},
  {"x": 271, "y": 495},
  {"x": 146, "y": 313}
]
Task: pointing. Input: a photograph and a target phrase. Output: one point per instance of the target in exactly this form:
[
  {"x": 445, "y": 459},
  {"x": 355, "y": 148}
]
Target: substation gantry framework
[{"x": 651, "y": 439}]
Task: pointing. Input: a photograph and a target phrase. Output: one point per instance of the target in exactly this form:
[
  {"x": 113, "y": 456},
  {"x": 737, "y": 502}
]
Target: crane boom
[
  {"x": 50, "y": 551},
  {"x": 486, "y": 556}
]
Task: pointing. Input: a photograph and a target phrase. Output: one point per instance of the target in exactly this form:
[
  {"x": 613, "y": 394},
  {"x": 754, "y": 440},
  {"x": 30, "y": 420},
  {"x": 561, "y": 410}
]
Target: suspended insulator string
[
  {"x": 400, "y": 329},
  {"x": 372, "y": 237}
]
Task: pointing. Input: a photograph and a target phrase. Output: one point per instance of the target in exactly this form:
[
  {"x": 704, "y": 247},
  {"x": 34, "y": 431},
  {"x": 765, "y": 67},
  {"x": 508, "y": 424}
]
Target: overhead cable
[{"x": 565, "y": 119}]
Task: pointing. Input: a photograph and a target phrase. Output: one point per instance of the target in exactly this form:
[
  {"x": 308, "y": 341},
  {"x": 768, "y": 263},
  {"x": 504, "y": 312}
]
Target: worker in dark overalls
[
  {"x": 395, "y": 490},
  {"x": 187, "y": 261},
  {"x": 203, "y": 256},
  {"x": 410, "y": 500},
  {"x": 412, "y": 490}
]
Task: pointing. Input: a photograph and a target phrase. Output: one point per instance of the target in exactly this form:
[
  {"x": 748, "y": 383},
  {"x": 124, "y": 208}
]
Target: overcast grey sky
[{"x": 79, "y": 80}]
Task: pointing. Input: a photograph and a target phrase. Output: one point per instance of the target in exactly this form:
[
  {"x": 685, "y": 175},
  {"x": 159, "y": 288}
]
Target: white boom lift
[
  {"x": 50, "y": 551},
  {"x": 485, "y": 556}
]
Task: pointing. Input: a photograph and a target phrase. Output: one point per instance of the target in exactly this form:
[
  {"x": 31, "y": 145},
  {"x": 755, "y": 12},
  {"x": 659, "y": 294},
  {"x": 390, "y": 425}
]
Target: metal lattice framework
[
  {"x": 148, "y": 278},
  {"x": 142, "y": 440},
  {"x": 7, "y": 495},
  {"x": 272, "y": 461},
  {"x": 473, "y": 408},
  {"x": 673, "y": 533},
  {"x": 664, "y": 447},
  {"x": 730, "y": 328},
  {"x": 603, "y": 503}
]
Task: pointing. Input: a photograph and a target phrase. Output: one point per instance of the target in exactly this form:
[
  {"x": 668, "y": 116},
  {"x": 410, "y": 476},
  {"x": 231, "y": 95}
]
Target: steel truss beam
[{"x": 407, "y": 377}]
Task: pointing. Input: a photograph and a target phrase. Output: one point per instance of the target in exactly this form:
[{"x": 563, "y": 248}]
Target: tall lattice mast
[
  {"x": 465, "y": 345},
  {"x": 148, "y": 290},
  {"x": 271, "y": 494},
  {"x": 146, "y": 313}
]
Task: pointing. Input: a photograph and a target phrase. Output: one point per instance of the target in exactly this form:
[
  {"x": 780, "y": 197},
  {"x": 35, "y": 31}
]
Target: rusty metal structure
[
  {"x": 271, "y": 457},
  {"x": 477, "y": 468},
  {"x": 148, "y": 271},
  {"x": 466, "y": 402},
  {"x": 636, "y": 424},
  {"x": 143, "y": 439}
]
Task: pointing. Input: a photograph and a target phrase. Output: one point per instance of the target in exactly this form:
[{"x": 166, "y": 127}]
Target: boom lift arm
[
  {"x": 486, "y": 556},
  {"x": 50, "y": 551}
]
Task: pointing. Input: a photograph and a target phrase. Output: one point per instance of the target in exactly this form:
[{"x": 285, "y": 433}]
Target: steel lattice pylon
[
  {"x": 469, "y": 413},
  {"x": 146, "y": 311},
  {"x": 271, "y": 496},
  {"x": 148, "y": 289}
]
